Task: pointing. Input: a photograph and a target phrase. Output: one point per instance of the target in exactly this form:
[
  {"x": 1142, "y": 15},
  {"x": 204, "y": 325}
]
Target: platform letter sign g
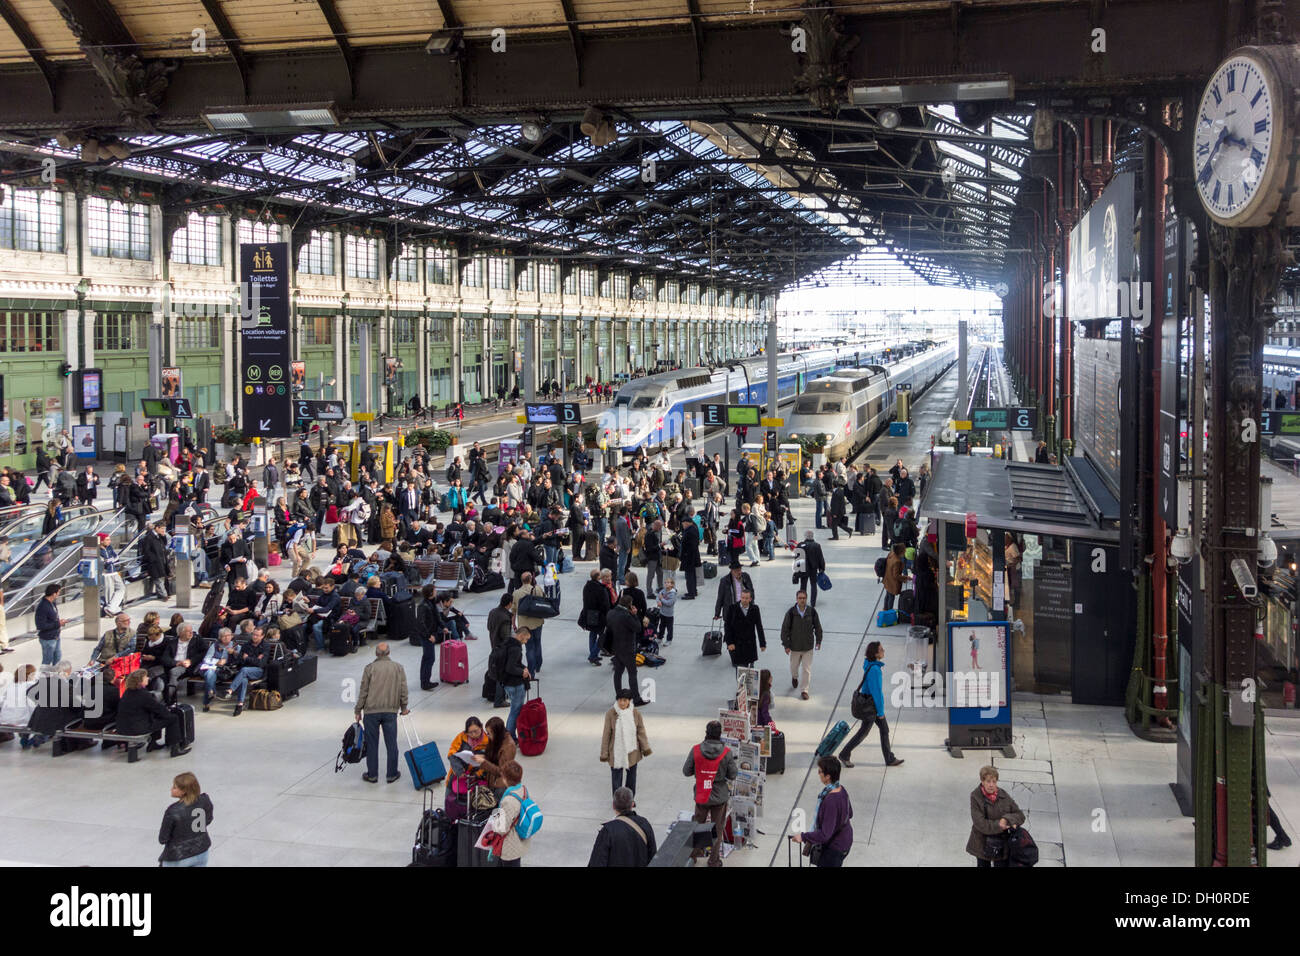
[
  {"x": 1022, "y": 418},
  {"x": 1098, "y": 560}
]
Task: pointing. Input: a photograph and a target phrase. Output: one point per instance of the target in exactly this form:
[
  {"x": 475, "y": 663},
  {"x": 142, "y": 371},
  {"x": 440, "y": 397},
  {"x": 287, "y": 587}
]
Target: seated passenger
[
  {"x": 116, "y": 642},
  {"x": 140, "y": 712},
  {"x": 252, "y": 659},
  {"x": 17, "y": 705},
  {"x": 218, "y": 663}
]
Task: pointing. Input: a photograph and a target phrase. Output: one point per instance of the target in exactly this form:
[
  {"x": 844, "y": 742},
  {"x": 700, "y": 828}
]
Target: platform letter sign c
[
  {"x": 1249, "y": 431},
  {"x": 1098, "y": 560}
]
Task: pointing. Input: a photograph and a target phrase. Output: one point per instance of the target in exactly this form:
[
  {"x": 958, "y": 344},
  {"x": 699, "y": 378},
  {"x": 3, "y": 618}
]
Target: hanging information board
[{"x": 264, "y": 341}]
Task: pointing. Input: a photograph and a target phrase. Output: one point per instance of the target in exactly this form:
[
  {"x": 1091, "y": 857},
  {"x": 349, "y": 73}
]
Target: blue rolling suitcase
[
  {"x": 886, "y": 618},
  {"x": 422, "y": 760},
  {"x": 833, "y": 739}
]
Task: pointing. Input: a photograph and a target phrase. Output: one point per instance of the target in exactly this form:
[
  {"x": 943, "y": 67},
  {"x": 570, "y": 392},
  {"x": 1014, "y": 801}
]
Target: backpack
[
  {"x": 529, "y": 820},
  {"x": 880, "y": 567},
  {"x": 900, "y": 529},
  {"x": 497, "y": 661},
  {"x": 354, "y": 746}
]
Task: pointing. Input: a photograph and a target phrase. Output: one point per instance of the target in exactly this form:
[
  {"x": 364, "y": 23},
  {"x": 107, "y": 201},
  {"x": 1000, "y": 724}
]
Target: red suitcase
[
  {"x": 531, "y": 728},
  {"x": 332, "y": 514},
  {"x": 454, "y": 668}
]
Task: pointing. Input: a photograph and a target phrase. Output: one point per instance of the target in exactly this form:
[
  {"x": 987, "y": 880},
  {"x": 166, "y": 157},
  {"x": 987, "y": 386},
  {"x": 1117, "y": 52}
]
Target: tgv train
[
  {"x": 855, "y": 404},
  {"x": 651, "y": 410}
]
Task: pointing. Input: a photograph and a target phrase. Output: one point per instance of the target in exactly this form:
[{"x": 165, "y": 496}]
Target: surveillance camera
[
  {"x": 1267, "y": 551},
  {"x": 1245, "y": 582},
  {"x": 1181, "y": 548}
]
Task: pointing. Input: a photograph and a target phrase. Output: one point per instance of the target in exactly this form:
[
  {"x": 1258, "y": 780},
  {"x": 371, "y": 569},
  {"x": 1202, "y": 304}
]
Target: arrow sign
[{"x": 264, "y": 424}]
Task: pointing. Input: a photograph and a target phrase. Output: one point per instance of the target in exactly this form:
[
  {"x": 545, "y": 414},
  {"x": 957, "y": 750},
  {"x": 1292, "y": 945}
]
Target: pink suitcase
[{"x": 454, "y": 668}]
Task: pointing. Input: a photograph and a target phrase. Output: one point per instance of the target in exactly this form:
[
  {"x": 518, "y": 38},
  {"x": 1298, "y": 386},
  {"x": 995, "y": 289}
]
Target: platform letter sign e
[{"x": 1098, "y": 560}]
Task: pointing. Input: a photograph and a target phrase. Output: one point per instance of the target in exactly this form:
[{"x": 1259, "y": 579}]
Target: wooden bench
[{"x": 108, "y": 734}]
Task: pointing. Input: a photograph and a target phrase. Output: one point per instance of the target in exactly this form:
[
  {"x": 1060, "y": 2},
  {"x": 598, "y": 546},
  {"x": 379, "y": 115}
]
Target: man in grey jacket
[
  {"x": 801, "y": 632},
  {"x": 382, "y": 698},
  {"x": 713, "y": 766}
]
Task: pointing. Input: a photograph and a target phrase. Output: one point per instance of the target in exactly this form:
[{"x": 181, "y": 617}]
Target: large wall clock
[{"x": 1243, "y": 137}]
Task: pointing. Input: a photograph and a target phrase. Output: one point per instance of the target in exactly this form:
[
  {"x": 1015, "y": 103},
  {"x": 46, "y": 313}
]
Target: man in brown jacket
[
  {"x": 992, "y": 813},
  {"x": 382, "y": 698}
]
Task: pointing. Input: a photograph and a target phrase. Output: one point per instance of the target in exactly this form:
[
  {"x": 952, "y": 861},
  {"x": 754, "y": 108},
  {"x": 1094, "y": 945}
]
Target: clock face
[{"x": 1236, "y": 129}]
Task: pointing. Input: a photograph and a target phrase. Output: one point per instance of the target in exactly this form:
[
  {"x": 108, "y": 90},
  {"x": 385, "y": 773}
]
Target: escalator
[{"x": 37, "y": 560}]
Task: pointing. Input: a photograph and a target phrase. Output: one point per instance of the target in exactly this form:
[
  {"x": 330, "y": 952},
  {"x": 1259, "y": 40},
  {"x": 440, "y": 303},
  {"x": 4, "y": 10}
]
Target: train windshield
[
  {"x": 832, "y": 405},
  {"x": 644, "y": 401},
  {"x": 806, "y": 405}
]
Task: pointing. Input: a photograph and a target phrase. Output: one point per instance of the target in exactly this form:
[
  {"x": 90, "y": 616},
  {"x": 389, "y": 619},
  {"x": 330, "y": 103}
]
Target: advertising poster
[
  {"x": 298, "y": 375},
  {"x": 264, "y": 339},
  {"x": 83, "y": 441},
  {"x": 172, "y": 383}
]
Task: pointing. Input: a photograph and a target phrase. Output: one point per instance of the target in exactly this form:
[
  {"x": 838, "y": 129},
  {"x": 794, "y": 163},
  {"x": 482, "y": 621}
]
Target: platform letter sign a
[
  {"x": 1098, "y": 560},
  {"x": 264, "y": 337}
]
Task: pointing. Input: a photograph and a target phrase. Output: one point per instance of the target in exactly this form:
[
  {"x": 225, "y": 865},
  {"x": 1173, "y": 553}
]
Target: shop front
[{"x": 1031, "y": 545}]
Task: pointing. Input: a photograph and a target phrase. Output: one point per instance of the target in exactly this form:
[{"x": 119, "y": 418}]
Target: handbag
[
  {"x": 823, "y": 580},
  {"x": 287, "y": 622},
  {"x": 481, "y": 797},
  {"x": 532, "y": 605},
  {"x": 995, "y": 847},
  {"x": 670, "y": 563}
]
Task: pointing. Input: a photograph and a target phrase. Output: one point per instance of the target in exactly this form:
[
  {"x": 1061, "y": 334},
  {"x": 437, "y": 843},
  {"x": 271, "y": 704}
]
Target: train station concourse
[{"x": 575, "y": 433}]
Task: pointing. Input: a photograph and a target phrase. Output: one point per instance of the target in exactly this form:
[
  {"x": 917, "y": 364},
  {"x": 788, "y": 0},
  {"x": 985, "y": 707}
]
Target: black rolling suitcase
[
  {"x": 590, "y": 549},
  {"x": 400, "y": 617},
  {"x": 776, "y": 762},
  {"x": 467, "y": 834},
  {"x": 291, "y": 675},
  {"x": 712, "y": 646},
  {"x": 186, "y": 714},
  {"x": 489, "y": 688},
  {"x": 710, "y": 569},
  {"x": 907, "y": 603},
  {"x": 340, "y": 640},
  {"x": 435, "y": 838}
]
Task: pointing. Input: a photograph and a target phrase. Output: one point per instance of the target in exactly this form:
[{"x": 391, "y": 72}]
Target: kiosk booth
[{"x": 1036, "y": 546}]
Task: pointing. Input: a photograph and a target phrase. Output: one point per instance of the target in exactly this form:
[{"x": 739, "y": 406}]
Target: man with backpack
[
  {"x": 382, "y": 698},
  {"x": 713, "y": 766}
]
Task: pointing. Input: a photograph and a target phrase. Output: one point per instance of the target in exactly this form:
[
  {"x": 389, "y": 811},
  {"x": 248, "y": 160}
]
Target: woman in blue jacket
[{"x": 873, "y": 683}]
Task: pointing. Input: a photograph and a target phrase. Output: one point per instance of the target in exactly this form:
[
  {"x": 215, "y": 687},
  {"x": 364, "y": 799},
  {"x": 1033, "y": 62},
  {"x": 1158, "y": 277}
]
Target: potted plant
[{"x": 814, "y": 447}]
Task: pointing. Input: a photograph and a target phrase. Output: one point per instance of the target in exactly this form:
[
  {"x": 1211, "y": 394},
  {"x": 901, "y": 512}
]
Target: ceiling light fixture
[
  {"x": 531, "y": 131},
  {"x": 221, "y": 118},
  {"x": 889, "y": 118},
  {"x": 444, "y": 43},
  {"x": 857, "y": 147},
  {"x": 919, "y": 94}
]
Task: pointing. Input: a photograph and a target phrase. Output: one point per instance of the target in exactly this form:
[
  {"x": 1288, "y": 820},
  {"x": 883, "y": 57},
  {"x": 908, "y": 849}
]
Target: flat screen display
[{"x": 742, "y": 415}]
